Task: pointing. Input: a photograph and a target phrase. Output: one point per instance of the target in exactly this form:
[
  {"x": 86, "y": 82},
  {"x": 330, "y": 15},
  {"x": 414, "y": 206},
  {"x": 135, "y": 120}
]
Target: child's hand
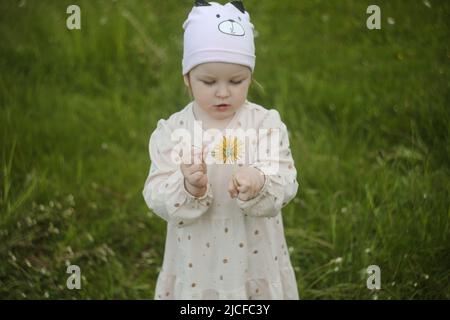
[
  {"x": 246, "y": 183},
  {"x": 195, "y": 178}
]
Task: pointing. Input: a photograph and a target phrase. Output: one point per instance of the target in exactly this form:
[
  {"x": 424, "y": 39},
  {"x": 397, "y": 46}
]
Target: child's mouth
[{"x": 222, "y": 107}]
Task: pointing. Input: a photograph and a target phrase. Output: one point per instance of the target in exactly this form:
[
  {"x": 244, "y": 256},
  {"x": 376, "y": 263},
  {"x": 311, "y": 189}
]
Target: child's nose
[{"x": 222, "y": 92}]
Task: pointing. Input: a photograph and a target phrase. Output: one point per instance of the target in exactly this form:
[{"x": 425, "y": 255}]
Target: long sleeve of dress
[
  {"x": 164, "y": 190},
  {"x": 280, "y": 185}
]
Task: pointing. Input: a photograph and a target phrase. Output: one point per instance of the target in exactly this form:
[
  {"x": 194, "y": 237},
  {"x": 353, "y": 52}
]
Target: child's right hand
[{"x": 195, "y": 177}]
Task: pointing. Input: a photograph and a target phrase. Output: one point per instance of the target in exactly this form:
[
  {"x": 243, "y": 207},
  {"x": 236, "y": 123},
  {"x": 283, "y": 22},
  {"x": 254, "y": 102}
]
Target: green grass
[{"x": 367, "y": 113}]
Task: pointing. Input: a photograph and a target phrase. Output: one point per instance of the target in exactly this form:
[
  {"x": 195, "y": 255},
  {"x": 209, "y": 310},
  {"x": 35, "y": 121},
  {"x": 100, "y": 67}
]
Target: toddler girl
[{"x": 222, "y": 200}]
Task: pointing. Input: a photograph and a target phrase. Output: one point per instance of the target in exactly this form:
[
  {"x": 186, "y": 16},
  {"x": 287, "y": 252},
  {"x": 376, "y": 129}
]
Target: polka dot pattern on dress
[{"x": 223, "y": 228}]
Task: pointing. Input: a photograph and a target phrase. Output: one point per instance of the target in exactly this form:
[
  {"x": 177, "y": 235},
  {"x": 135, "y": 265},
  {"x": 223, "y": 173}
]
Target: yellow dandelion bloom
[{"x": 228, "y": 150}]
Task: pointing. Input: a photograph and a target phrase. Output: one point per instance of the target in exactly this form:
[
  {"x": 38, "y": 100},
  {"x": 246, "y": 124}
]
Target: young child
[{"x": 225, "y": 237}]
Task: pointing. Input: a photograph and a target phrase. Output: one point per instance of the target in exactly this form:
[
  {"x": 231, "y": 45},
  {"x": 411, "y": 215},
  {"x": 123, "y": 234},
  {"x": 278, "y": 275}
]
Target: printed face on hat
[{"x": 219, "y": 88}]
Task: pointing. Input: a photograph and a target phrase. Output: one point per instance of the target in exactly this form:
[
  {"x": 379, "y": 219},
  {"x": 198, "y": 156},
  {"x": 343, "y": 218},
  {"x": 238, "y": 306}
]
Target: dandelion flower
[{"x": 228, "y": 150}]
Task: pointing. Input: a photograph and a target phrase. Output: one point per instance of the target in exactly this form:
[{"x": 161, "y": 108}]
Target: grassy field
[{"x": 367, "y": 112}]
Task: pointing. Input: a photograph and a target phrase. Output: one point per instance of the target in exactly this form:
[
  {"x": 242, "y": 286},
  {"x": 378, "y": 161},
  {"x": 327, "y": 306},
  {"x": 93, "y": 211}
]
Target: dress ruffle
[{"x": 170, "y": 287}]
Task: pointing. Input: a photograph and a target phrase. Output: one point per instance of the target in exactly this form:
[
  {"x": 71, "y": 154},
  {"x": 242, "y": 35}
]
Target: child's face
[{"x": 216, "y": 83}]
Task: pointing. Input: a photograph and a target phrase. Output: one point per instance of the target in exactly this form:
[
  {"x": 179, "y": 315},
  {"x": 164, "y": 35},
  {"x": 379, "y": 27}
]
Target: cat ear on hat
[
  {"x": 239, "y": 5},
  {"x": 201, "y": 3}
]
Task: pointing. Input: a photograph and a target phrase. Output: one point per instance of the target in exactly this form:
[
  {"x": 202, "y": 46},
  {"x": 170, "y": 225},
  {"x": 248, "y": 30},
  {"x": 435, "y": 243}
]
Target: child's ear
[{"x": 186, "y": 80}]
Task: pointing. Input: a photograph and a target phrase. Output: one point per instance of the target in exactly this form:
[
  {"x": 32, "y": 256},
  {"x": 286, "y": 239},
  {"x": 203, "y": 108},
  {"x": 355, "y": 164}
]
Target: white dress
[{"x": 218, "y": 247}]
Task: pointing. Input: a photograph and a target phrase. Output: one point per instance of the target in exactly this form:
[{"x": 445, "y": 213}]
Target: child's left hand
[{"x": 246, "y": 183}]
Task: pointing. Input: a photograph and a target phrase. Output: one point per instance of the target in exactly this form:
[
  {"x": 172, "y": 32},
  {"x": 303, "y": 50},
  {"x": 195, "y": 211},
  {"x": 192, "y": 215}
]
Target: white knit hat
[{"x": 218, "y": 33}]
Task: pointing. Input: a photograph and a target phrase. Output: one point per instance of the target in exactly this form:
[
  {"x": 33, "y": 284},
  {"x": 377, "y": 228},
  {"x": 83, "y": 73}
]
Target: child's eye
[{"x": 210, "y": 83}]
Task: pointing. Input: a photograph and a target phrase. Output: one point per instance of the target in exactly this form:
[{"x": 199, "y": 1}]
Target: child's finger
[
  {"x": 232, "y": 189},
  {"x": 197, "y": 168},
  {"x": 243, "y": 188},
  {"x": 196, "y": 176},
  {"x": 244, "y": 196},
  {"x": 192, "y": 156},
  {"x": 204, "y": 153},
  {"x": 235, "y": 182},
  {"x": 197, "y": 156},
  {"x": 187, "y": 158}
]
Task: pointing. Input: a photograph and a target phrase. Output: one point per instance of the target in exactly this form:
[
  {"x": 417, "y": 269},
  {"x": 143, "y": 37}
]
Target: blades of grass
[
  {"x": 7, "y": 178},
  {"x": 26, "y": 194}
]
